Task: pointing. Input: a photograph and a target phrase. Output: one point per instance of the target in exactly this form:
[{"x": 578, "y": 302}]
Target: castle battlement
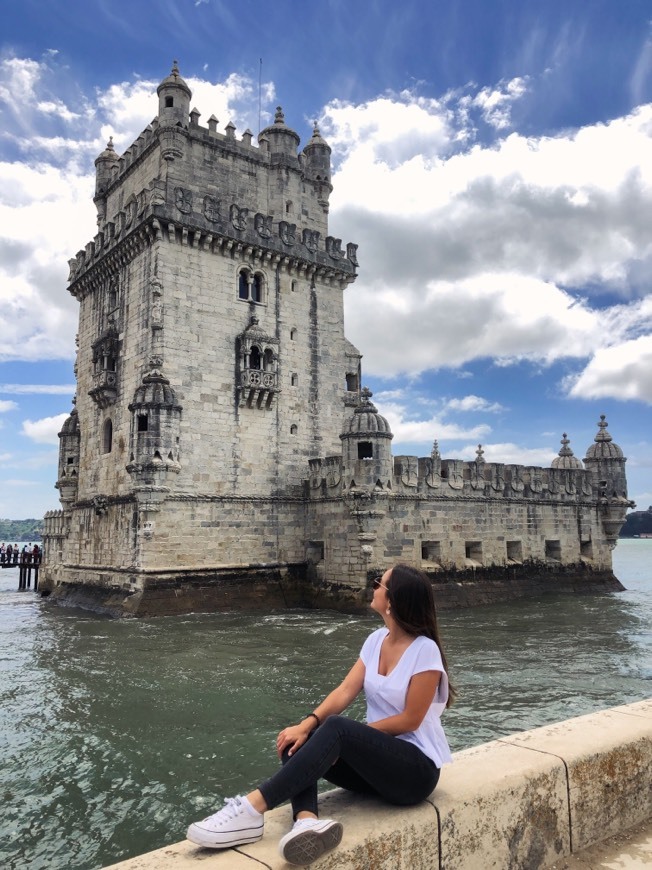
[
  {"x": 148, "y": 189},
  {"x": 452, "y": 478}
]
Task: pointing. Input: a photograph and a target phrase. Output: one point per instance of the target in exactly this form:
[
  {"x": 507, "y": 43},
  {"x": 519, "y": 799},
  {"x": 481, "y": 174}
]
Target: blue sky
[{"x": 493, "y": 159}]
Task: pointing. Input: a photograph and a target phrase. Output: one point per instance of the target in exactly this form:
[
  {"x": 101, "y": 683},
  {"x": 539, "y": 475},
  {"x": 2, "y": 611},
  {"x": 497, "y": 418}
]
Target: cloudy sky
[{"x": 493, "y": 159}]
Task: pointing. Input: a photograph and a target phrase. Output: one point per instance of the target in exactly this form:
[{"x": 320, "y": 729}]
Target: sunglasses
[{"x": 377, "y": 582}]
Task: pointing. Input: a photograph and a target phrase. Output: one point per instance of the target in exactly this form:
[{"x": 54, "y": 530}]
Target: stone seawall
[
  {"x": 169, "y": 592},
  {"x": 522, "y": 802}
]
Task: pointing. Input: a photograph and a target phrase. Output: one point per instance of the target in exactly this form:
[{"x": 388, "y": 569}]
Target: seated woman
[{"x": 397, "y": 755}]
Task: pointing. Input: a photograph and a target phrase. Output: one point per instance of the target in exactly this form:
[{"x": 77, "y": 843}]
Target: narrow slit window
[{"x": 107, "y": 437}]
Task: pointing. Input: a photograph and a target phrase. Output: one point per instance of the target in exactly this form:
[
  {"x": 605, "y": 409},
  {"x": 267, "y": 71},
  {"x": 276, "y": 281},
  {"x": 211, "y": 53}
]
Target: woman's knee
[{"x": 335, "y": 721}]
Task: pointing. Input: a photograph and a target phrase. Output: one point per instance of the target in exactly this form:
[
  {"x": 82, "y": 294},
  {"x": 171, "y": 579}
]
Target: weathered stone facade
[{"x": 221, "y": 451}]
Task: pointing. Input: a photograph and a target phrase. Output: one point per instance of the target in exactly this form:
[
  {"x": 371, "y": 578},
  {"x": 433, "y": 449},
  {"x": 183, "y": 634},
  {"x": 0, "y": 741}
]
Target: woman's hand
[{"x": 294, "y": 736}]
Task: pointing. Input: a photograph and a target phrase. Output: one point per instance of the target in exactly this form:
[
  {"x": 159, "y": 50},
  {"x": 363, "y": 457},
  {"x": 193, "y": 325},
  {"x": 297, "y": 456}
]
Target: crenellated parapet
[
  {"x": 426, "y": 477},
  {"x": 179, "y": 159}
]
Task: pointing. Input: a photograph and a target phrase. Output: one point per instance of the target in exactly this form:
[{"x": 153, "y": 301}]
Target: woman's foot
[
  {"x": 309, "y": 839},
  {"x": 235, "y": 824}
]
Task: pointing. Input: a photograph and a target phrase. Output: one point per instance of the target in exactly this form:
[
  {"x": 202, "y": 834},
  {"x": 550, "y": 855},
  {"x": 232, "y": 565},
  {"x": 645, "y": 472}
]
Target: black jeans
[{"x": 356, "y": 757}]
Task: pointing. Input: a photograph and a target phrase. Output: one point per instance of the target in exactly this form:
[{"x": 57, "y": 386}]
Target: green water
[{"x": 114, "y": 735}]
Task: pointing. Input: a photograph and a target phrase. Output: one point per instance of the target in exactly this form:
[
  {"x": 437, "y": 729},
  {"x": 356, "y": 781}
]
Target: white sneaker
[
  {"x": 309, "y": 839},
  {"x": 235, "y": 824}
]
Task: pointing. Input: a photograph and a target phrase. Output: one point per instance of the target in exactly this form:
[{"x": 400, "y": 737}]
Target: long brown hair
[{"x": 412, "y": 599}]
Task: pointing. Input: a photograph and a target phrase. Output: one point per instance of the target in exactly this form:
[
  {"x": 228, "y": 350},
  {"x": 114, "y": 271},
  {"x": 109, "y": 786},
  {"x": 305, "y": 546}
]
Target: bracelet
[{"x": 316, "y": 717}]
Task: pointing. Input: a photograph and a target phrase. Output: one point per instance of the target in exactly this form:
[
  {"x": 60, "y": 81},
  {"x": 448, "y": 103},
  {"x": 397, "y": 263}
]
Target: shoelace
[{"x": 229, "y": 811}]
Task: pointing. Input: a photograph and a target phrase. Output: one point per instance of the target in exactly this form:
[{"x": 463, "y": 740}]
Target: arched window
[
  {"x": 243, "y": 284},
  {"x": 107, "y": 437},
  {"x": 294, "y": 429},
  {"x": 254, "y": 358},
  {"x": 251, "y": 287},
  {"x": 268, "y": 360},
  {"x": 257, "y": 288},
  {"x": 294, "y": 380}
]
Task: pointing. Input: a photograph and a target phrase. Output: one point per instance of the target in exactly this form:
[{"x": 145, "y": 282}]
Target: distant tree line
[
  {"x": 637, "y": 523},
  {"x": 21, "y": 530}
]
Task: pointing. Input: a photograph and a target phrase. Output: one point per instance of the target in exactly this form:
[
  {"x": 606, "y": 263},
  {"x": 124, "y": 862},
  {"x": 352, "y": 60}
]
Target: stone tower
[{"x": 212, "y": 362}]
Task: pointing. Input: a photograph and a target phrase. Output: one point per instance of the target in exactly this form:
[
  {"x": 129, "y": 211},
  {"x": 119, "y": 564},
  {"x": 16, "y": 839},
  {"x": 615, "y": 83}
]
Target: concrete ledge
[{"x": 525, "y": 801}]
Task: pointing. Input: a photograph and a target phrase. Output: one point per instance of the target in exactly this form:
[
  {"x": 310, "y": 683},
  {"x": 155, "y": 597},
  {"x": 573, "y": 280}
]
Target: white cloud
[
  {"x": 422, "y": 432},
  {"x": 504, "y": 251},
  {"x": 7, "y": 405},
  {"x": 511, "y": 454},
  {"x": 623, "y": 371},
  {"x": 473, "y": 403},
  {"x": 45, "y": 389},
  {"x": 495, "y": 103},
  {"x": 44, "y": 431}
]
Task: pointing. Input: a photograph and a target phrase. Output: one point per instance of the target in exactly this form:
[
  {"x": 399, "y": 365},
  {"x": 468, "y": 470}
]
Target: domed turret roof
[
  {"x": 70, "y": 424},
  {"x": 174, "y": 80},
  {"x": 154, "y": 390},
  {"x": 279, "y": 127},
  {"x": 108, "y": 153},
  {"x": 316, "y": 139},
  {"x": 366, "y": 420},
  {"x": 604, "y": 447},
  {"x": 566, "y": 458}
]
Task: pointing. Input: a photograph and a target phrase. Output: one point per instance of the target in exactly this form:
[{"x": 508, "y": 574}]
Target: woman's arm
[
  {"x": 339, "y": 699},
  {"x": 419, "y": 697}
]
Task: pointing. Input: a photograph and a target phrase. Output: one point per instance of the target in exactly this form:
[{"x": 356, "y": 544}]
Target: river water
[{"x": 115, "y": 734}]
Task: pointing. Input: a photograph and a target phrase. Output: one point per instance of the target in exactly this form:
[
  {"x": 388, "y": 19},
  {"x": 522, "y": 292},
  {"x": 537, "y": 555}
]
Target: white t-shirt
[{"x": 386, "y": 695}]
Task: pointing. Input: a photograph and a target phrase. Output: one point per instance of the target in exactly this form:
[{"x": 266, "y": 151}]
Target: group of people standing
[{"x": 13, "y": 555}]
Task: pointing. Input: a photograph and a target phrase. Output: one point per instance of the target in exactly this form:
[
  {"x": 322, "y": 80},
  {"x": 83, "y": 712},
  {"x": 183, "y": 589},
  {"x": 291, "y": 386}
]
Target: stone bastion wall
[{"x": 524, "y": 802}]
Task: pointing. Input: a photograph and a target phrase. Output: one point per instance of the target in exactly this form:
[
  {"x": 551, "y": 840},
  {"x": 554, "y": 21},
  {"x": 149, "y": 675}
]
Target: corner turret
[
  {"x": 366, "y": 447},
  {"x": 173, "y": 115},
  {"x": 605, "y": 460},
  {"x": 69, "y": 445},
  {"x": 281, "y": 141},
  {"x": 316, "y": 161},
  {"x": 155, "y": 425},
  {"x": 173, "y": 99},
  {"x": 104, "y": 164}
]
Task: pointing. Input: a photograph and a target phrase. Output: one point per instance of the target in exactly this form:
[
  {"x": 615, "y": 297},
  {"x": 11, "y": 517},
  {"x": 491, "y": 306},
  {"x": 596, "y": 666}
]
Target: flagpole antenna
[{"x": 260, "y": 90}]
